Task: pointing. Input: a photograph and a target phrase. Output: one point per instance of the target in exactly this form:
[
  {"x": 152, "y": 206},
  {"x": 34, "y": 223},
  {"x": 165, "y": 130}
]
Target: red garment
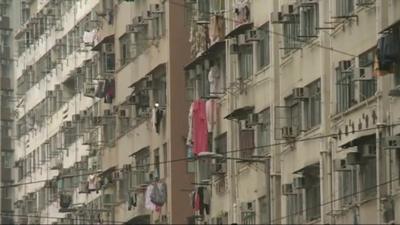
[
  {"x": 196, "y": 201},
  {"x": 200, "y": 132}
]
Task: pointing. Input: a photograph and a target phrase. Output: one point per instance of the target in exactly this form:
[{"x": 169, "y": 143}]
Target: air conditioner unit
[
  {"x": 139, "y": 21},
  {"x": 253, "y": 119},
  {"x": 132, "y": 100},
  {"x": 369, "y": 151},
  {"x": 122, "y": 113},
  {"x": 344, "y": 65},
  {"x": 299, "y": 183},
  {"x": 76, "y": 118},
  {"x": 127, "y": 167},
  {"x": 49, "y": 94},
  {"x": 287, "y": 189},
  {"x": 353, "y": 158},
  {"x": 108, "y": 48},
  {"x": 392, "y": 142},
  {"x": 287, "y": 132},
  {"x": 156, "y": 8},
  {"x": 276, "y": 17},
  {"x": 300, "y": 93},
  {"x": 116, "y": 175},
  {"x": 107, "y": 113},
  {"x": 89, "y": 90},
  {"x": 341, "y": 165},
  {"x": 67, "y": 125},
  {"x": 97, "y": 121},
  {"x": 287, "y": 9},
  {"x": 59, "y": 42},
  {"x": 130, "y": 28},
  {"x": 252, "y": 35},
  {"x": 56, "y": 164}
]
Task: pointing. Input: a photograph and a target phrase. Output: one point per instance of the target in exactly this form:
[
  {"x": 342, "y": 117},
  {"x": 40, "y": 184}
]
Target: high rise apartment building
[
  {"x": 302, "y": 126},
  {"x": 201, "y": 112},
  {"x": 100, "y": 102}
]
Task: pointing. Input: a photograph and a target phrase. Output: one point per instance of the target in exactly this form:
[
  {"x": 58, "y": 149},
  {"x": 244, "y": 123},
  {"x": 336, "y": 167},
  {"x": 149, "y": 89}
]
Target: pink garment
[
  {"x": 196, "y": 201},
  {"x": 211, "y": 114},
  {"x": 200, "y": 132}
]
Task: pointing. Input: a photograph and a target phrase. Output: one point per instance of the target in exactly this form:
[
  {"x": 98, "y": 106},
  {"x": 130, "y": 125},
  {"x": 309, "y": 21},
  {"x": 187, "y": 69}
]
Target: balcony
[
  {"x": 6, "y": 175},
  {"x": 5, "y": 83},
  {"x": 4, "y": 23}
]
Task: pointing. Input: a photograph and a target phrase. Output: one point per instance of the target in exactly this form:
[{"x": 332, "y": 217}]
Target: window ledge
[
  {"x": 311, "y": 130},
  {"x": 355, "y": 107}
]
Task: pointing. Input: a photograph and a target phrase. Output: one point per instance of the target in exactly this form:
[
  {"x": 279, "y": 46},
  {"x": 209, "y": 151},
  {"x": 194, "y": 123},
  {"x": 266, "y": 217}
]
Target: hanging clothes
[
  {"x": 99, "y": 91},
  {"x": 213, "y": 79},
  {"x": 132, "y": 200},
  {"x": 211, "y": 114},
  {"x": 242, "y": 11},
  {"x": 387, "y": 54},
  {"x": 89, "y": 37},
  {"x": 65, "y": 201},
  {"x": 206, "y": 200},
  {"x": 159, "y": 116},
  {"x": 216, "y": 28},
  {"x": 109, "y": 91},
  {"x": 148, "y": 203},
  {"x": 159, "y": 194},
  {"x": 189, "y": 140},
  {"x": 200, "y": 132}
]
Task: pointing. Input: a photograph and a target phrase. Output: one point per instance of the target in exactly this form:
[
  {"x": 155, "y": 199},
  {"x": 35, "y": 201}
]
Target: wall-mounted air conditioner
[
  {"x": 300, "y": 93},
  {"x": 253, "y": 119},
  {"x": 368, "y": 151},
  {"x": 353, "y": 158},
  {"x": 392, "y": 142},
  {"x": 252, "y": 35},
  {"x": 340, "y": 165},
  {"x": 287, "y": 132},
  {"x": 287, "y": 189}
]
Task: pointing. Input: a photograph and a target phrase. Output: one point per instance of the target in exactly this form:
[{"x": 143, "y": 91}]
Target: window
[
  {"x": 312, "y": 104},
  {"x": 126, "y": 49},
  {"x": 367, "y": 82},
  {"x": 165, "y": 159},
  {"x": 203, "y": 11},
  {"x": 313, "y": 193},
  {"x": 221, "y": 149},
  {"x": 344, "y": 8},
  {"x": 263, "y": 48},
  {"x": 246, "y": 143},
  {"x": 291, "y": 31},
  {"x": 368, "y": 178},
  {"x": 263, "y": 210},
  {"x": 294, "y": 114},
  {"x": 6, "y": 159},
  {"x": 109, "y": 130},
  {"x": 309, "y": 21},
  {"x": 160, "y": 89},
  {"x": 245, "y": 61},
  {"x": 294, "y": 208},
  {"x": 348, "y": 187},
  {"x": 157, "y": 163},
  {"x": 264, "y": 132},
  {"x": 142, "y": 160},
  {"x": 345, "y": 89},
  {"x": 248, "y": 213}
]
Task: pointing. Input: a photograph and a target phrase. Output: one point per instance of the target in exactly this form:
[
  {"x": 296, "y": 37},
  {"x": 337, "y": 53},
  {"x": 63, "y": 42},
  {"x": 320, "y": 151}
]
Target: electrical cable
[{"x": 193, "y": 158}]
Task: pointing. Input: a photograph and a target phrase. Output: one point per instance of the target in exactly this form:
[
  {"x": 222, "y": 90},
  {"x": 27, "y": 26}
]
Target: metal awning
[
  {"x": 216, "y": 47},
  {"x": 159, "y": 67},
  {"x": 240, "y": 113},
  {"x": 308, "y": 167},
  {"x": 240, "y": 30},
  {"x": 359, "y": 140},
  {"x": 140, "y": 219},
  {"x": 397, "y": 23},
  {"x": 106, "y": 39},
  {"x": 108, "y": 170}
]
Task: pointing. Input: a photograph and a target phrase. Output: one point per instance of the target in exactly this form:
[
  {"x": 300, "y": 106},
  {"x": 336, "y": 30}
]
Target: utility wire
[
  {"x": 194, "y": 158},
  {"x": 272, "y": 32}
]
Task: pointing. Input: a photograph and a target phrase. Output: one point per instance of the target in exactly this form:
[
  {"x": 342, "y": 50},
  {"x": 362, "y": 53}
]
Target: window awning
[
  {"x": 216, "y": 47},
  {"x": 107, "y": 39},
  {"x": 156, "y": 69},
  {"x": 141, "y": 219},
  {"x": 241, "y": 29},
  {"x": 357, "y": 138},
  {"x": 395, "y": 24},
  {"x": 310, "y": 167},
  {"x": 108, "y": 170},
  {"x": 240, "y": 113}
]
